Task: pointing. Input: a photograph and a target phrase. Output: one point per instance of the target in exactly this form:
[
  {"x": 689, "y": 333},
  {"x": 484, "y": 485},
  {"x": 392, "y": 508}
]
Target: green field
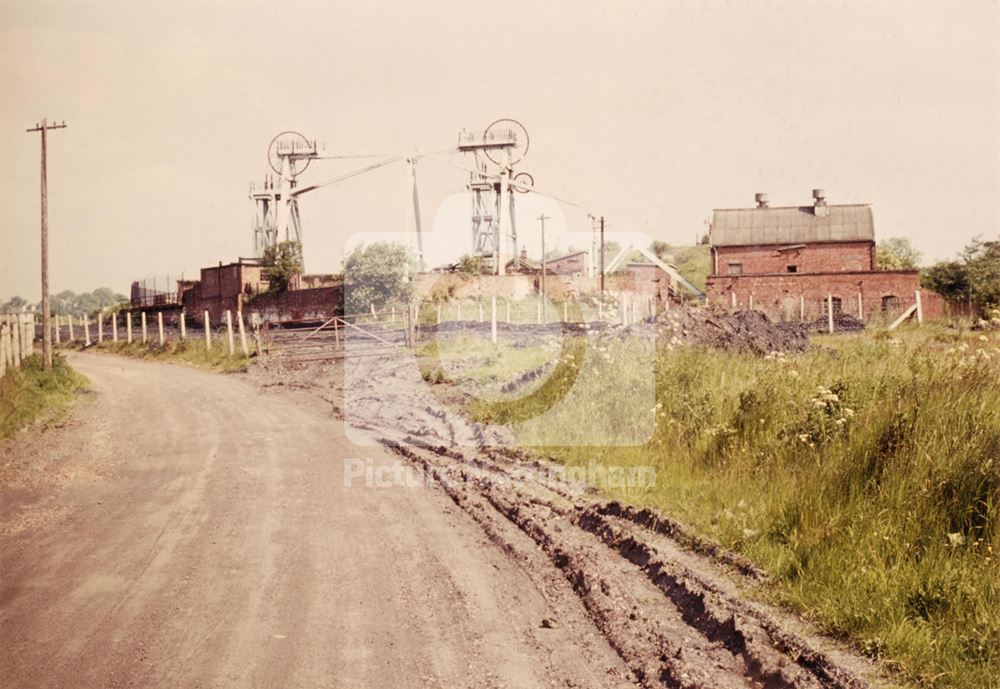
[{"x": 863, "y": 475}]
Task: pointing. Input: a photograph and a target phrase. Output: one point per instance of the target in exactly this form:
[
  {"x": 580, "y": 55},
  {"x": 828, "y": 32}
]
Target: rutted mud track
[{"x": 652, "y": 589}]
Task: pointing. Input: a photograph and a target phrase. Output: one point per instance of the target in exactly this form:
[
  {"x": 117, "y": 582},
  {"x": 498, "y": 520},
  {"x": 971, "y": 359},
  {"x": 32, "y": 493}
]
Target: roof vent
[
  {"x": 820, "y": 209},
  {"x": 761, "y": 199}
]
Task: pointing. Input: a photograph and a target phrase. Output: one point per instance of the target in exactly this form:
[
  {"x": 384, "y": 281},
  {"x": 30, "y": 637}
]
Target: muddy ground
[{"x": 673, "y": 606}]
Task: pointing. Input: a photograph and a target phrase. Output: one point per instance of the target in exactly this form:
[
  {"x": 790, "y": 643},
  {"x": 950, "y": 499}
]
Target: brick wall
[
  {"x": 778, "y": 295},
  {"x": 317, "y": 304},
  {"x": 830, "y": 257}
]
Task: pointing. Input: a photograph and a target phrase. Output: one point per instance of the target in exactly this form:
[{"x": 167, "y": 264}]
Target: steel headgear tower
[{"x": 492, "y": 182}]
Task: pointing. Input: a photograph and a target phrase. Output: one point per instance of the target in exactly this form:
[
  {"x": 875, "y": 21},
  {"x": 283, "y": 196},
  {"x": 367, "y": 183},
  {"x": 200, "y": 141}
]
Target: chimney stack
[
  {"x": 761, "y": 199},
  {"x": 820, "y": 208}
]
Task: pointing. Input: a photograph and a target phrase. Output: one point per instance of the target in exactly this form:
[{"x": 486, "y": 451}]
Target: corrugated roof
[{"x": 791, "y": 225}]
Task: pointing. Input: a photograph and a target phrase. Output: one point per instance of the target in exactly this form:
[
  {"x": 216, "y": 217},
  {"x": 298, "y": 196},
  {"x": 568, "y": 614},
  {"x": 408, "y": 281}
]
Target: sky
[{"x": 649, "y": 113}]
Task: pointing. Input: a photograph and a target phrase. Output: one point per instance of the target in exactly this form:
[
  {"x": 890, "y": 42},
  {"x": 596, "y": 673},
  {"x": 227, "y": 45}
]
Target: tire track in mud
[{"x": 650, "y": 587}]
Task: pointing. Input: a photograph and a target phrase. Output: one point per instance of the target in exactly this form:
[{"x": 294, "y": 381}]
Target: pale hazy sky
[{"x": 651, "y": 113}]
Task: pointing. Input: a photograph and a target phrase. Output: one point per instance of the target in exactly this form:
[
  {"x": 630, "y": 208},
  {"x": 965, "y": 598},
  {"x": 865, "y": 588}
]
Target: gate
[{"x": 367, "y": 334}]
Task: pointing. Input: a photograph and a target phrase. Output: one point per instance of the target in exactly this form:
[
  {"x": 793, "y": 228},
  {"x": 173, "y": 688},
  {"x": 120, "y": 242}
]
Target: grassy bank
[
  {"x": 29, "y": 392},
  {"x": 190, "y": 353},
  {"x": 864, "y": 476}
]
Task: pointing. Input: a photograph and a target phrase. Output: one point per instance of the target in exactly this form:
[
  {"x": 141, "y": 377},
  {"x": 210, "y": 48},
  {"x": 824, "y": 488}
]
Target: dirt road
[
  {"x": 186, "y": 529},
  {"x": 183, "y": 530}
]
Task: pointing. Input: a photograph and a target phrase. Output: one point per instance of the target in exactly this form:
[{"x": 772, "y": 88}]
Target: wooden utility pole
[
  {"x": 46, "y": 312},
  {"x": 602, "y": 258},
  {"x": 542, "y": 218}
]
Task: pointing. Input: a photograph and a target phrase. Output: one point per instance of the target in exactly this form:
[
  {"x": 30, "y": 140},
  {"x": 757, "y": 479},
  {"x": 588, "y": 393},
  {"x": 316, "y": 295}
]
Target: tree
[
  {"x": 982, "y": 261},
  {"x": 473, "y": 265},
  {"x": 694, "y": 263},
  {"x": 896, "y": 253},
  {"x": 14, "y": 305},
  {"x": 974, "y": 277},
  {"x": 283, "y": 262},
  {"x": 949, "y": 279},
  {"x": 663, "y": 251},
  {"x": 376, "y": 275}
]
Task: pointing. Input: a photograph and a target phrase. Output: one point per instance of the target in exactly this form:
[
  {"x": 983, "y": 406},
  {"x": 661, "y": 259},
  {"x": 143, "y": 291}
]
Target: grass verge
[
  {"x": 189, "y": 352},
  {"x": 863, "y": 475},
  {"x": 29, "y": 392}
]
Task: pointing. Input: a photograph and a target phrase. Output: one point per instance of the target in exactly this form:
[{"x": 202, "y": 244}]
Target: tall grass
[
  {"x": 29, "y": 392},
  {"x": 863, "y": 475}
]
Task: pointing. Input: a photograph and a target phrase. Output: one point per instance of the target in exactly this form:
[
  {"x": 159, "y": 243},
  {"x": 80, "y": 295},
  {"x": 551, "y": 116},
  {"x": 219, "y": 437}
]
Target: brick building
[
  {"x": 576, "y": 264},
  {"x": 241, "y": 287},
  {"x": 786, "y": 261}
]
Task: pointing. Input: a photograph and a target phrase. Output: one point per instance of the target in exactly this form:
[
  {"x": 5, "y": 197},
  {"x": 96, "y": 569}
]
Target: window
[
  {"x": 792, "y": 269},
  {"x": 837, "y": 306},
  {"x": 890, "y": 302},
  {"x": 735, "y": 269}
]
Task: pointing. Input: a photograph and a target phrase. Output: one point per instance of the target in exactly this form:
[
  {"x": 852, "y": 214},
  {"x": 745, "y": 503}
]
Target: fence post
[
  {"x": 600, "y": 311},
  {"x": 12, "y": 358},
  {"x": 920, "y": 308},
  {"x": 86, "y": 330},
  {"x": 15, "y": 344},
  {"x": 861, "y": 308},
  {"x": 114, "y": 326},
  {"x": 829, "y": 312},
  {"x": 159, "y": 325},
  {"x": 55, "y": 327},
  {"x": 439, "y": 314},
  {"x": 733, "y": 295},
  {"x": 750, "y": 302},
  {"x": 480, "y": 309},
  {"x": 539, "y": 317},
  {"x": 3, "y": 348},
  {"x": 802, "y": 307},
  {"x": 414, "y": 309},
  {"x": 243, "y": 334},
  {"x": 184, "y": 333},
  {"x": 100, "y": 326},
  {"x": 71, "y": 335},
  {"x": 145, "y": 330},
  {"x": 208, "y": 332},
  {"x": 565, "y": 315},
  {"x": 229, "y": 331},
  {"x": 128, "y": 327},
  {"x": 29, "y": 334},
  {"x": 26, "y": 335},
  {"x": 493, "y": 321}
]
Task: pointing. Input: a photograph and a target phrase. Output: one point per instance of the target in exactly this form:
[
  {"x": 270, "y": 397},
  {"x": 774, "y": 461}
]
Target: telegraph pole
[
  {"x": 46, "y": 311},
  {"x": 602, "y": 258},
  {"x": 542, "y": 218}
]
